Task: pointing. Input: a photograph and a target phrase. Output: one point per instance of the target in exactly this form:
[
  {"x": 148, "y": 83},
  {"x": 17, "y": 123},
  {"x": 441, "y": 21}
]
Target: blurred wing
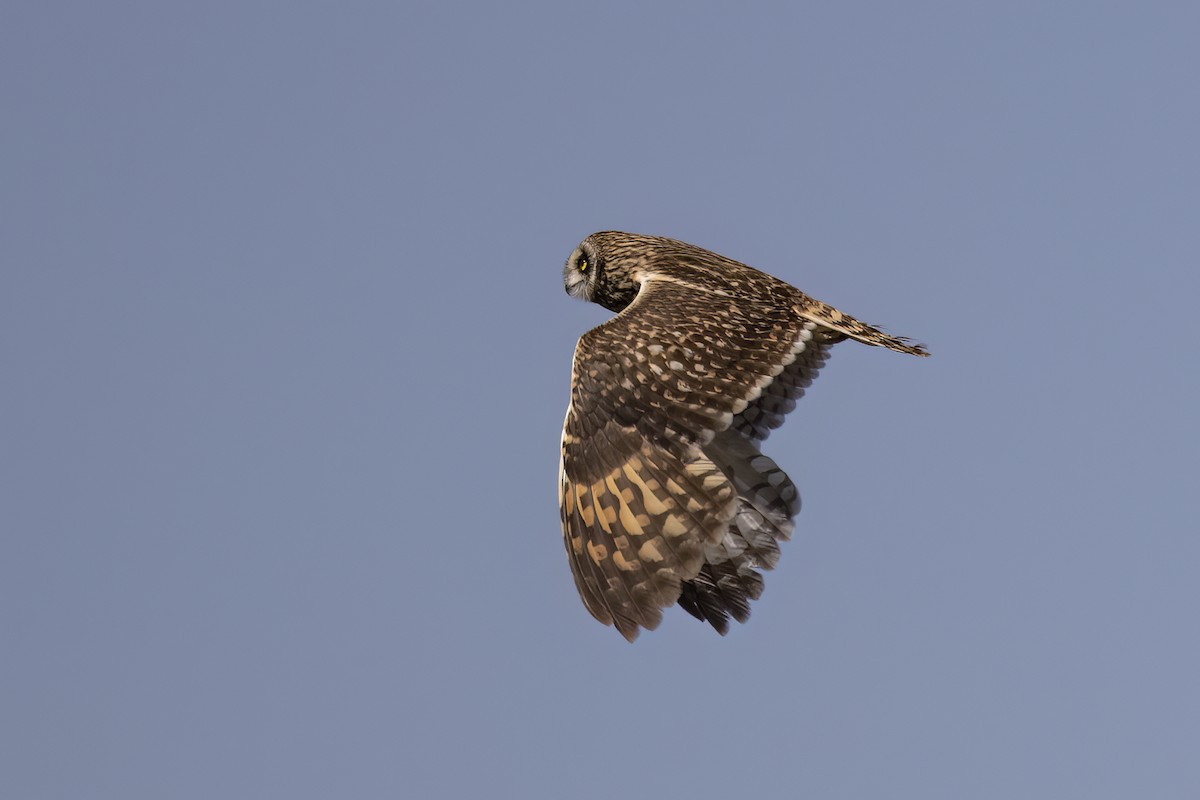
[{"x": 654, "y": 499}]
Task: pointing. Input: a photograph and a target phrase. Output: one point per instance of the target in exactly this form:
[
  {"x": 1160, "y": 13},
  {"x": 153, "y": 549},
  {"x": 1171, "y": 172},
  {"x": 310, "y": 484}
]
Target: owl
[{"x": 664, "y": 492}]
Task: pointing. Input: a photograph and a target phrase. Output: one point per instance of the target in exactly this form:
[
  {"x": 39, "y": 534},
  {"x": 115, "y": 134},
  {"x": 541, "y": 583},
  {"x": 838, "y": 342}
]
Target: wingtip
[
  {"x": 903, "y": 344},
  {"x": 628, "y": 629}
]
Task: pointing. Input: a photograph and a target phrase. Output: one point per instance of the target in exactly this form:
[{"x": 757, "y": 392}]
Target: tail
[{"x": 829, "y": 317}]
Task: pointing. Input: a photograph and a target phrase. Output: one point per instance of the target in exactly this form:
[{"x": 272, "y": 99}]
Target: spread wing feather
[
  {"x": 779, "y": 397},
  {"x": 664, "y": 495}
]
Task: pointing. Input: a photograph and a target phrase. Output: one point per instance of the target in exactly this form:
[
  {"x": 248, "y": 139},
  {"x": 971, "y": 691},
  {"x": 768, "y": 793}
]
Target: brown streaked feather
[
  {"x": 779, "y": 397},
  {"x": 829, "y": 317},
  {"x": 635, "y": 467},
  {"x": 634, "y": 534},
  {"x": 665, "y": 495}
]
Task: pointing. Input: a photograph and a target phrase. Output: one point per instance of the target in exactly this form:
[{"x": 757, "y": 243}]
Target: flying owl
[{"x": 664, "y": 493}]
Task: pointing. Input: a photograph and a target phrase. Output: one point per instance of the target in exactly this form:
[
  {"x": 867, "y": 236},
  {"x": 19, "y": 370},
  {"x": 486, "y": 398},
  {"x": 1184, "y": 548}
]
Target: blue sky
[{"x": 286, "y": 356}]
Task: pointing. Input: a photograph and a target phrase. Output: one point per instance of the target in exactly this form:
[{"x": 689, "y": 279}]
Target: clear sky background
[{"x": 285, "y": 358}]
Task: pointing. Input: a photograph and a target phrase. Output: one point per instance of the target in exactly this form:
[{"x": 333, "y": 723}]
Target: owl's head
[{"x": 604, "y": 269}]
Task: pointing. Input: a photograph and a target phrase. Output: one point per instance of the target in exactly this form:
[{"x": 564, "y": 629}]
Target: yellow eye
[{"x": 583, "y": 265}]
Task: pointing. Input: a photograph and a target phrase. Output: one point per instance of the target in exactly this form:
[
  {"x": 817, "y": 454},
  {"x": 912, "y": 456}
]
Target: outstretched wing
[{"x": 655, "y": 501}]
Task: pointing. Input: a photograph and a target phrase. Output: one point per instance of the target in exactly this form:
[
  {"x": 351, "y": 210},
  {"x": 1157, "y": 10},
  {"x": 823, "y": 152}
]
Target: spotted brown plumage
[{"x": 665, "y": 495}]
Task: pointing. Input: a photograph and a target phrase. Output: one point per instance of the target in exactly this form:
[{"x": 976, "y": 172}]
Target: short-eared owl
[{"x": 664, "y": 494}]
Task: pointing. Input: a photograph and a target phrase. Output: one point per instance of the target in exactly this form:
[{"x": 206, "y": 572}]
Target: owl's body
[{"x": 665, "y": 495}]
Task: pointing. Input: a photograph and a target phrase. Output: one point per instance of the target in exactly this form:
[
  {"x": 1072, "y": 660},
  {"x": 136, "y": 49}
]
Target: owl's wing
[
  {"x": 647, "y": 497},
  {"x": 779, "y": 397}
]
